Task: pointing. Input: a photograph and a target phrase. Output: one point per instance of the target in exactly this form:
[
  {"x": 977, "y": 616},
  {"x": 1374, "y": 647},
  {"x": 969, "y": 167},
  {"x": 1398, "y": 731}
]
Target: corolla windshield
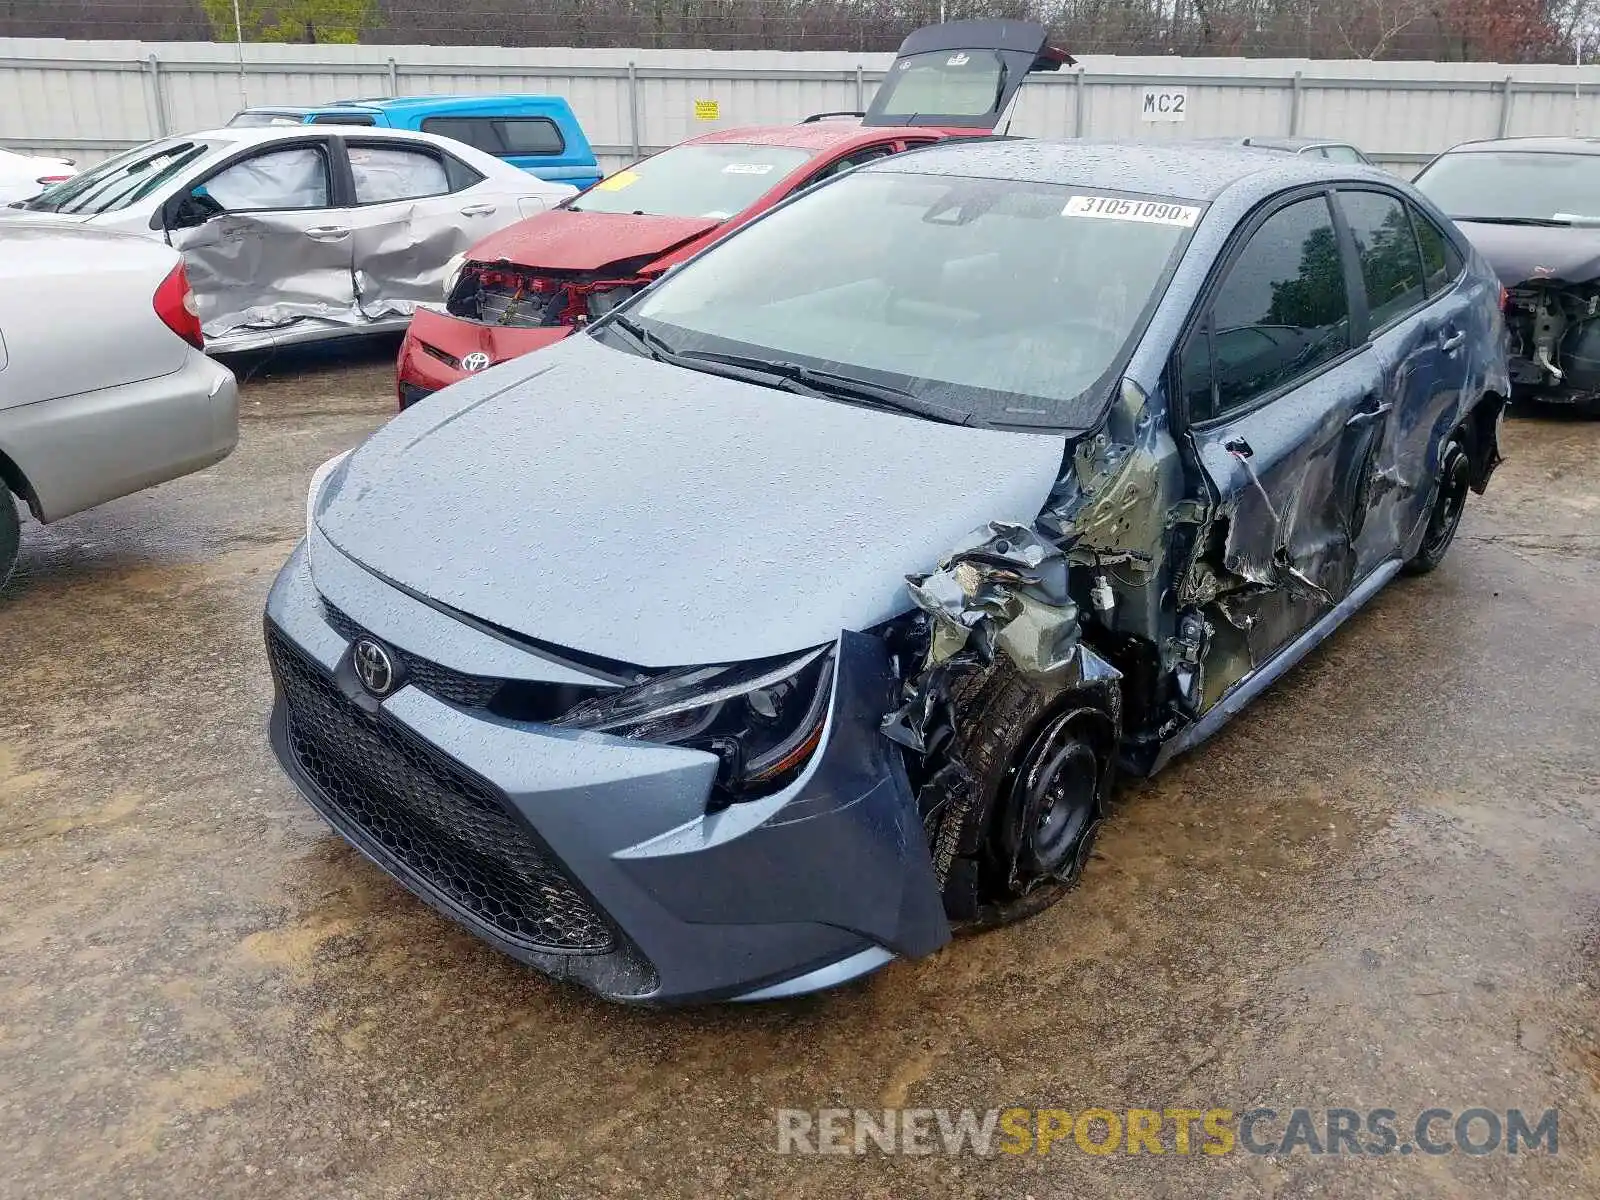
[
  {"x": 121, "y": 181},
  {"x": 1515, "y": 186},
  {"x": 978, "y": 301},
  {"x": 702, "y": 179}
]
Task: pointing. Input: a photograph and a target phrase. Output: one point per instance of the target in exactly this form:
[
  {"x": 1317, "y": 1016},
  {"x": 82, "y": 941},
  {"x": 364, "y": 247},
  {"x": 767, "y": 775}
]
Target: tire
[
  {"x": 10, "y": 534},
  {"x": 1449, "y": 502},
  {"x": 1041, "y": 768}
]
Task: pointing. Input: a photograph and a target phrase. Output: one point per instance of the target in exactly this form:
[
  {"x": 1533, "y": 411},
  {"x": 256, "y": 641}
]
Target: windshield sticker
[
  {"x": 617, "y": 182},
  {"x": 1153, "y": 212},
  {"x": 747, "y": 169}
]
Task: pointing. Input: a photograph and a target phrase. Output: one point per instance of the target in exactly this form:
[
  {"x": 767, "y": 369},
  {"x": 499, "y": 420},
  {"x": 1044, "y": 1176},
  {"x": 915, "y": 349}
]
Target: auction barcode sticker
[{"x": 1153, "y": 212}]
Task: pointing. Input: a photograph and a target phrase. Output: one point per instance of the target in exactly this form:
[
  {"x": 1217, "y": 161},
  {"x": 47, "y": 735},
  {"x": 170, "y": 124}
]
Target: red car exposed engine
[{"x": 539, "y": 280}]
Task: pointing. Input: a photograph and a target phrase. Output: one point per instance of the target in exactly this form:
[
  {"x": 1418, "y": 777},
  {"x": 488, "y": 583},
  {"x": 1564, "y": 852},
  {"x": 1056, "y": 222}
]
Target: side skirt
[{"x": 1252, "y": 685}]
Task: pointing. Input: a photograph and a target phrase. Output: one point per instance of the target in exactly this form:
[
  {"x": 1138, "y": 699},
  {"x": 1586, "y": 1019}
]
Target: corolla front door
[
  {"x": 1275, "y": 379},
  {"x": 264, "y": 244}
]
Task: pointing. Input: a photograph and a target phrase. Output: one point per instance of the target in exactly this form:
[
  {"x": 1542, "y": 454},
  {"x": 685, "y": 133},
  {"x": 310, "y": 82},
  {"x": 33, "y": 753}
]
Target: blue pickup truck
[{"x": 540, "y": 134}]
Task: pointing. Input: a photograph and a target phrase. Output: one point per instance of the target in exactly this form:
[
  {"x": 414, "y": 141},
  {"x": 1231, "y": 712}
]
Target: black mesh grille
[
  {"x": 438, "y": 823},
  {"x": 411, "y": 394},
  {"x": 453, "y": 687}
]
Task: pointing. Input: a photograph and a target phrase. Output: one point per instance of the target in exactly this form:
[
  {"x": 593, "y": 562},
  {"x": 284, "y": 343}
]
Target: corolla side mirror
[{"x": 189, "y": 209}]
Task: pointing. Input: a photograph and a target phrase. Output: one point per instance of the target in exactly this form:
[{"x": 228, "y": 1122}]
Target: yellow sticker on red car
[
  {"x": 615, "y": 183},
  {"x": 1152, "y": 212}
]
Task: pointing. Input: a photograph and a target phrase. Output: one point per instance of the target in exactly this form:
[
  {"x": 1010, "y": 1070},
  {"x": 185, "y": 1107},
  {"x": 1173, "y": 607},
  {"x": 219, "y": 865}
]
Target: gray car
[
  {"x": 84, "y": 419},
  {"x": 802, "y": 610},
  {"x": 1312, "y": 147}
]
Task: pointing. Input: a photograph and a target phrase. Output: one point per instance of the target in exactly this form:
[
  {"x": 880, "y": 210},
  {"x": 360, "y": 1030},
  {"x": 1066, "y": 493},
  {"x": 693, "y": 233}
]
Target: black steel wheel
[
  {"x": 1041, "y": 769},
  {"x": 1450, "y": 501}
]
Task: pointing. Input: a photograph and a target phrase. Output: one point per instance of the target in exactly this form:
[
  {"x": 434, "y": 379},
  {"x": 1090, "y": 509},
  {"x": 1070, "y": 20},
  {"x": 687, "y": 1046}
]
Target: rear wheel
[
  {"x": 1042, "y": 768},
  {"x": 1450, "y": 501},
  {"x": 10, "y": 534}
]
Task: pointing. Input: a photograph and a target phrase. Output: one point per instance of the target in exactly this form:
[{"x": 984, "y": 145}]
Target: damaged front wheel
[
  {"x": 1450, "y": 501},
  {"x": 1039, "y": 768}
]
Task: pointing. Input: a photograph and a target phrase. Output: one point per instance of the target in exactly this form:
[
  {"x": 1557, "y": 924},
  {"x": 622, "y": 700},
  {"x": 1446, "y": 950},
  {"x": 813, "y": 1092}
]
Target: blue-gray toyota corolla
[{"x": 803, "y": 609}]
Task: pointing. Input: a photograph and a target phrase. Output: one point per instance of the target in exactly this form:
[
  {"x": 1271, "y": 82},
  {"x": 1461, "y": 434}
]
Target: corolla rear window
[
  {"x": 121, "y": 181},
  {"x": 1515, "y": 185},
  {"x": 709, "y": 179},
  {"x": 1008, "y": 302},
  {"x": 960, "y": 83}
]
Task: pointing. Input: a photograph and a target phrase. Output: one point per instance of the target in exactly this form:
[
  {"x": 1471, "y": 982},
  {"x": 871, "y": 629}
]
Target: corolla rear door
[
  {"x": 416, "y": 207},
  {"x": 1425, "y": 335},
  {"x": 962, "y": 74}
]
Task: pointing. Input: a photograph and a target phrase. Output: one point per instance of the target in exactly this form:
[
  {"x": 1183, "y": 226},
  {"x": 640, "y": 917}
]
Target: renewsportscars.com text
[{"x": 1209, "y": 1131}]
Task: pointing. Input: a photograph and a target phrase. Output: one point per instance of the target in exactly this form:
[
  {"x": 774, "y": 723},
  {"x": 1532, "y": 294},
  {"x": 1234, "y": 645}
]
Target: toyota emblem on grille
[
  {"x": 476, "y": 361},
  {"x": 373, "y": 667}
]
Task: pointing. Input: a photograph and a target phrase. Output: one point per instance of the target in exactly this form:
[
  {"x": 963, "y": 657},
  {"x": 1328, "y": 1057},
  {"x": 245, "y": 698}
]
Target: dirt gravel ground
[{"x": 1379, "y": 888}]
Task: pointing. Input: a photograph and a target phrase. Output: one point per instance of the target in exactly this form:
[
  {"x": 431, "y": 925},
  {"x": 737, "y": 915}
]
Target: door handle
[
  {"x": 1367, "y": 417},
  {"x": 327, "y": 233},
  {"x": 478, "y": 210},
  {"x": 1238, "y": 447},
  {"x": 1452, "y": 342}
]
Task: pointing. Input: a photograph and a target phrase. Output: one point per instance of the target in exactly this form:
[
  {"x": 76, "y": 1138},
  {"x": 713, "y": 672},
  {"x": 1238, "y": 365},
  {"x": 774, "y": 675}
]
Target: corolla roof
[
  {"x": 1540, "y": 145},
  {"x": 816, "y": 136}
]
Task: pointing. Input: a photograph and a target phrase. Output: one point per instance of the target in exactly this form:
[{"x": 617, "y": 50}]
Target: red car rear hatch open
[{"x": 962, "y": 74}]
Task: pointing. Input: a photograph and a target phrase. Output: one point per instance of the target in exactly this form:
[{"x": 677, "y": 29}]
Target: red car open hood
[{"x": 580, "y": 241}]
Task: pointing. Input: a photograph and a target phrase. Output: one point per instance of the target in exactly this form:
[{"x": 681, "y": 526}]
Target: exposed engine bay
[
  {"x": 1554, "y": 329},
  {"x": 529, "y": 298}
]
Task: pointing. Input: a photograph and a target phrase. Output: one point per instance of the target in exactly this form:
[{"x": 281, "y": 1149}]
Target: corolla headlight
[
  {"x": 319, "y": 480},
  {"x": 763, "y": 720},
  {"x": 601, "y": 300},
  {"x": 452, "y": 274}
]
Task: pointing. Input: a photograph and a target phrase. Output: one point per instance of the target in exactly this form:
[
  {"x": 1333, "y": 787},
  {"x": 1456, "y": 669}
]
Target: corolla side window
[
  {"x": 709, "y": 179},
  {"x": 1281, "y": 312},
  {"x": 1000, "y": 301},
  {"x": 121, "y": 181},
  {"x": 1440, "y": 258},
  {"x": 276, "y": 180},
  {"x": 1391, "y": 265},
  {"x": 396, "y": 173},
  {"x": 1514, "y": 185}
]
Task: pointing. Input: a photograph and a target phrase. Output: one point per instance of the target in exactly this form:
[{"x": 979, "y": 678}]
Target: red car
[{"x": 541, "y": 279}]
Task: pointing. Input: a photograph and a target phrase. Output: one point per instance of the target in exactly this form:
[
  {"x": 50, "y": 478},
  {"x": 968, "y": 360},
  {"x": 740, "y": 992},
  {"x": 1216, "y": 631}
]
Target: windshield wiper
[
  {"x": 790, "y": 376},
  {"x": 837, "y": 386},
  {"x": 654, "y": 345}
]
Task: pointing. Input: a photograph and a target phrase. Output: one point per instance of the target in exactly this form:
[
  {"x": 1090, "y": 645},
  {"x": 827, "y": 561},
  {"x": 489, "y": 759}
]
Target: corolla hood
[
  {"x": 657, "y": 516},
  {"x": 578, "y": 241},
  {"x": 8, "y": 213},
  {"x": 1529, "y": 253}
]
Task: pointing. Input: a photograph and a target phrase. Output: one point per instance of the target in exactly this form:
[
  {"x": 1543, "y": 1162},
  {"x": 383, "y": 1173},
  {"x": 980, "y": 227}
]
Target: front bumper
[
  {"x": 592, "y": 857},
  {"x": 435, "y": 343}
]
